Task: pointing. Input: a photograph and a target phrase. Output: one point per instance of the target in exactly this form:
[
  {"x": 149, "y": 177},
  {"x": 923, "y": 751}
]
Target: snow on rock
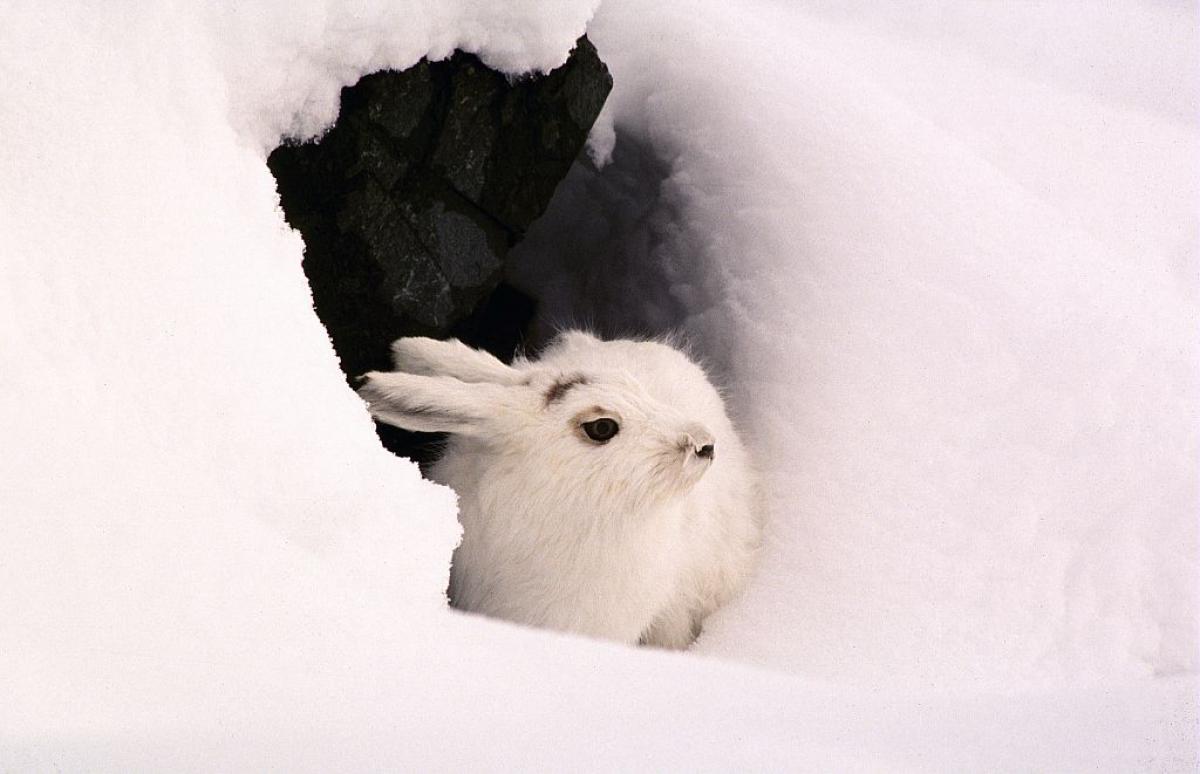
[
  {"x": 978, "y": 406},
  {"x": 285, "y": 63}
]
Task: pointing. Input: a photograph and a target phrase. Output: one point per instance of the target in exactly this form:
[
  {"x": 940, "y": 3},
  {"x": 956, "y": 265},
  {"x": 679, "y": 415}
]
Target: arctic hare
[{"x": 602, "y": 488}]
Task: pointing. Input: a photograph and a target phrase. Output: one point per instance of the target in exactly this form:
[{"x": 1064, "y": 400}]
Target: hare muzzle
[{"x": 696, "y": 439}]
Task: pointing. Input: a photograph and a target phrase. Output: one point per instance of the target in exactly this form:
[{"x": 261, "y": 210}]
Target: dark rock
[{"x": 409, "y": 204}]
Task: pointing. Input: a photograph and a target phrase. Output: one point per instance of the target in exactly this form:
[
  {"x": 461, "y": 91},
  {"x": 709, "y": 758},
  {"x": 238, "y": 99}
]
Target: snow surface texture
[
  {"x": 955, "y": 305},
  {"x": 945, "y": 257}
]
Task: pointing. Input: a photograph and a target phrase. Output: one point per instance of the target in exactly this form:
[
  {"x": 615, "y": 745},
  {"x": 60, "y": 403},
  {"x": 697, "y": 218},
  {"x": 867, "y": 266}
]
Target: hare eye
[{"x": 601, "y": 430}]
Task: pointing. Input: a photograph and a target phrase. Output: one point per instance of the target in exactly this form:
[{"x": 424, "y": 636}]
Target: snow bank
[
  {"x": 952, "y": 291},
  {"x": 981, "y": 412}
]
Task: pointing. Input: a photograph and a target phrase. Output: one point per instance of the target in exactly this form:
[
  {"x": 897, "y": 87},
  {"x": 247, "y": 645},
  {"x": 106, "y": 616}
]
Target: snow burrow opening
[
  {"x": 442, "y": 204},
  {"x": 610, "y": 253},
  {"x": 450, "y": 201}
]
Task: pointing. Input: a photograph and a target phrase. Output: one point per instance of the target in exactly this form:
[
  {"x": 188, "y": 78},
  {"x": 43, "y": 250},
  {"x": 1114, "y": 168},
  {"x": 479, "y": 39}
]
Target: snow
[
  {"x": 968, "y": 354},
  {"x": 944, "y": 257}
]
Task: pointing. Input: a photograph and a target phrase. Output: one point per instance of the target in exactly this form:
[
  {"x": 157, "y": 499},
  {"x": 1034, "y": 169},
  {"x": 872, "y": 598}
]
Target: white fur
[{"x": 638, "y": 539}]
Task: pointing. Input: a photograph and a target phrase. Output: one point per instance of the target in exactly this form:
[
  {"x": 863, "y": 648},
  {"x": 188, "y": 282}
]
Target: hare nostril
[{"x": 705, "y": 451}]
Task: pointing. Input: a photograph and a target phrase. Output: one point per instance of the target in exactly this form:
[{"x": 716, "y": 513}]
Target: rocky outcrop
[{"x": 409, "y": 204}]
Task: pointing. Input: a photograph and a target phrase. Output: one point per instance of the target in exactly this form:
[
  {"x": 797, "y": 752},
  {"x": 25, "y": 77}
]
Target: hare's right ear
[
  {"x": 436, "y": 404},
  {"x": 430, "y": 357}
]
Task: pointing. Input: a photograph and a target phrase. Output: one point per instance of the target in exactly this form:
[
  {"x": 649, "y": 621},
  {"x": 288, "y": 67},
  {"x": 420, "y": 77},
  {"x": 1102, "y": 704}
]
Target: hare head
[
  {"x": 591, "y": 426},
  {"x": 602, "y": 488}
]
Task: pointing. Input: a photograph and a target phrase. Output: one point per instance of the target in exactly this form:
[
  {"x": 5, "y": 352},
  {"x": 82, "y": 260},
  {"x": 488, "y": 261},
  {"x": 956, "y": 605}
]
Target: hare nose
[{"x": 701, "y": 442}]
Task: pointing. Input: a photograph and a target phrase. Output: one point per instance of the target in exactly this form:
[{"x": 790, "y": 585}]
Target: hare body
[{"x": 602, "y": 488}]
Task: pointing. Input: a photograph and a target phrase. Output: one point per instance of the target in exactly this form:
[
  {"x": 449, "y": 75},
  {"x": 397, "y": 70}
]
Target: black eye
[{"x": 601, "y": 430}]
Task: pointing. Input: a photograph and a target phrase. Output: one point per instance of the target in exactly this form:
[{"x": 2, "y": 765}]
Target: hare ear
[
  {"x": 435, "y": 404},
  {"x": 430, "y": 357}
]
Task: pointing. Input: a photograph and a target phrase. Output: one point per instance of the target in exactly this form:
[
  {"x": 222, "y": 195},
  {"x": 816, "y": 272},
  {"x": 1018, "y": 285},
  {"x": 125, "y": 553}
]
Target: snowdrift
[{"x": 949, "y": 279}]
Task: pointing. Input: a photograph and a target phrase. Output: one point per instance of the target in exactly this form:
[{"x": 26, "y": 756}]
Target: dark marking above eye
[{"x": 559, "y": 388}]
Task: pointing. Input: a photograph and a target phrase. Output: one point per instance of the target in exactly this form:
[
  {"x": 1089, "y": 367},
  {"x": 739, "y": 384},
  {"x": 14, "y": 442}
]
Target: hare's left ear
[{"x": 436, "y": 404}]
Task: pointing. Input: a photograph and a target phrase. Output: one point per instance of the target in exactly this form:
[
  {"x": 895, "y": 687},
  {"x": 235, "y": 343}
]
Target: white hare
[{"x": 602, "y": 488}]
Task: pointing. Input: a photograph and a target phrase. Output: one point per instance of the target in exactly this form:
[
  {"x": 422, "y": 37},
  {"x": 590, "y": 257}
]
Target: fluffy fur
[{"x": 637, "y": 539}]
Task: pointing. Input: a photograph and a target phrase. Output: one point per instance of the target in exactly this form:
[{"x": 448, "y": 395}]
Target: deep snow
[
  {"x": 950, "y": 281},
  {"x": 954, "y": 302}
]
